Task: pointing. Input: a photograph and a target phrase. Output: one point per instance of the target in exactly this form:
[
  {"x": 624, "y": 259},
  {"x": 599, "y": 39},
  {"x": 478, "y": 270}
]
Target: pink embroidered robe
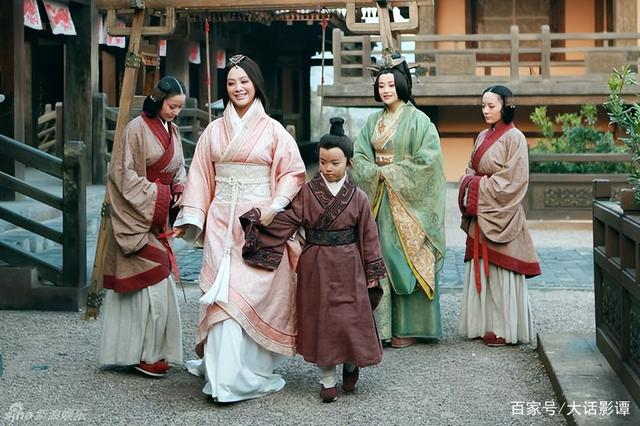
[
  {"x": 262, "y": 302},
  {"x": 494, "y": 186},
  {"x": 145, "y": 172}
]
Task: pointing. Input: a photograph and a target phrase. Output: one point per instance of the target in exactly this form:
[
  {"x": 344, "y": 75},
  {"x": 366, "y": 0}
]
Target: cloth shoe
[
  {"x": 157, "y": 369},
  {"x": 349, "y": 379},
  {"x": 402, "y": 342},
  {"x": 328, "y": 394},
  {"x": 490, "y": 339}
]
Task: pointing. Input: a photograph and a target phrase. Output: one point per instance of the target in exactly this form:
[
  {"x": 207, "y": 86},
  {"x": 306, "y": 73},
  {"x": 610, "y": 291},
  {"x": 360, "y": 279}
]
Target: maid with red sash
[
  {"x": 141, "y": 321},
  {"x": 499, "y": 250}
]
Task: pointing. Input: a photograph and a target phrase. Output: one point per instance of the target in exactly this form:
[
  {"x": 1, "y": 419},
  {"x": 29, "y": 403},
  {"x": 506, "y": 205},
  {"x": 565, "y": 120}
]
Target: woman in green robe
[{"x": 398, "y": 163}]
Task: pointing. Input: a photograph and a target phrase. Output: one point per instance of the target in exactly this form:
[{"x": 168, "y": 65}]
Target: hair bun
[{"x": 336, "y": 126}]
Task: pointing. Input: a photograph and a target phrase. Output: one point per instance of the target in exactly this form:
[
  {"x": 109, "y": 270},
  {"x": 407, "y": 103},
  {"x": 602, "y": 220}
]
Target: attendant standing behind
[
  {"x": 499, "y": 253},
  {"x": 141, "y": 320}
]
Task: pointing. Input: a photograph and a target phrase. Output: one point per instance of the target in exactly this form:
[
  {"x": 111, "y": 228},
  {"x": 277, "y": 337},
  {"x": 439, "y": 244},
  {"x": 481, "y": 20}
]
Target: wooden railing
[
  {"x": 509, "y": 57},
  {"x": 72, "y": 274},
  {"x": 51, "y": 130},
  {"x": 616, "y": 276}
]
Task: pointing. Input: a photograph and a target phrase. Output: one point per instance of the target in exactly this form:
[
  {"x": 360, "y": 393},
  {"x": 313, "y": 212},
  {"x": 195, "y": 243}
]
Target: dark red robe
[{"x": 341, "y": 255}]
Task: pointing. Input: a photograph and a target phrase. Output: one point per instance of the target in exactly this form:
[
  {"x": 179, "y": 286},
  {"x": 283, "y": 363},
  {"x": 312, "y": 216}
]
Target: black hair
[
  {"x": 402, "y": 78},
  {"x": 167, "y": 87},
  {"x": 253, "y": 72},
  {"x": 337, "y": 139},
  {"x": 506, "y": 95}
]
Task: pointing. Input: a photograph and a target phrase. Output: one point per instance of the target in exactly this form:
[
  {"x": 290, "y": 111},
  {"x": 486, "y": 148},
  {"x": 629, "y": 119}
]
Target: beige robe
[
  {"x": 500, "y": 252},
  {"x": 141, "y": 319},
  {"x": 493, "y": 187},
  {"x": 261, "y": 301},
  {"x": 135, "y": 256}
]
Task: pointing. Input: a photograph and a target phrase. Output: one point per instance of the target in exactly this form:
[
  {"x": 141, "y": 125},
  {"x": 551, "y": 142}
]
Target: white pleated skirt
[
  {"x": 234, "y": 366},
  {"x": 143, "y": 325},
  {"x": 502, "y": 306}
]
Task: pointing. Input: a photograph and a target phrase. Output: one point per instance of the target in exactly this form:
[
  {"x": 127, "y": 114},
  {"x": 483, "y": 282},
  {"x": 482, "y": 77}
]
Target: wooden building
[{"x": 556, "y": 52}]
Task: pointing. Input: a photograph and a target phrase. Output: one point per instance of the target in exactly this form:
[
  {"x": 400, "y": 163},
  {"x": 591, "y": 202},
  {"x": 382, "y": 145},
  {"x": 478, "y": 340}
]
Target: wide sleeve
[
  {"x": 365, "y": 172},
  {"x": 415, "y": 180},
  {"x": 138, "y": 206},
  {"x": 496, "y": 199},
  {"x": 265, "y": 245},
  {"x": 199, "y": 189},
  {"x": 368, "y": 241},
  {"x": 180, "y": 177},
  {"x": 465, "y": 181},
  {"x": 287, "y": 169}
]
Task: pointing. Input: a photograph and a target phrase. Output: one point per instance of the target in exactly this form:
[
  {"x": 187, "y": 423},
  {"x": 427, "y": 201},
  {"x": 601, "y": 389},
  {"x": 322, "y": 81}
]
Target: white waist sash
[{"x": 235, "y": 182}]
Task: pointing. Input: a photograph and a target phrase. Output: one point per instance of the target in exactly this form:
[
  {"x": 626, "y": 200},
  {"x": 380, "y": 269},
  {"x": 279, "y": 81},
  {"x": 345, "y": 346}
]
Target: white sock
[{"x": 328, "y": 376}]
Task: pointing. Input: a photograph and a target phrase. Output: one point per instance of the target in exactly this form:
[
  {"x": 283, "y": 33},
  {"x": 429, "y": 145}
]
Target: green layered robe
[{"x": 409, "y": 205}]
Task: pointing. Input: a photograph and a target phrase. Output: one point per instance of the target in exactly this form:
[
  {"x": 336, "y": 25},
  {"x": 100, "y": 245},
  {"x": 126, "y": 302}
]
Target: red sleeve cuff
[
  {"x": 177, "y": 189},
  {"x": 161, "y": 210},
  {"x": 473, "y": 194}
]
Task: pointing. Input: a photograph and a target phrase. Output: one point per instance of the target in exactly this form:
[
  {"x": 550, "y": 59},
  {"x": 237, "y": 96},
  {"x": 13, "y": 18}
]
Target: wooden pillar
[
  {"x": 177, "y": 60},
  {"x": 214, "y": 44},
  {"x": 12, "y": 84},
  {"x": 81, "y": 71},
  {"x": 74, "y": 219},
  {"x": 109, "y": 77},
  {"x": 625, "y": 19},
  {"x": 306, "y": 100},
  {"x": 31, "y": 96},
  {"x": 427, "y": 26}
]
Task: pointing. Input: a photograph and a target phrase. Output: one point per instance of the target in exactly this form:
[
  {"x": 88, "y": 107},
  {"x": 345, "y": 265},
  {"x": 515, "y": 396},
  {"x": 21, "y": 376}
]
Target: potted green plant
[{"x": 627, "y": 119}]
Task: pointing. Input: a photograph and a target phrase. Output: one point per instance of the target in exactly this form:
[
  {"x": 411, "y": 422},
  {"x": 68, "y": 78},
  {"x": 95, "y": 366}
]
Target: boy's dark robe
[{"x": 341, "y": 255}]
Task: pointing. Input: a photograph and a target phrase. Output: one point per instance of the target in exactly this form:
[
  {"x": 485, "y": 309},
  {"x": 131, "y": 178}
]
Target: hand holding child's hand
[
  {"x": 178, "y": 231},
  {"x": 267, "y": 214}
]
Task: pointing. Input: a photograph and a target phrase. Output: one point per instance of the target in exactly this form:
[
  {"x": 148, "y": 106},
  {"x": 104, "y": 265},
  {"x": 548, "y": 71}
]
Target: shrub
[
  {"x": 579, "y": 135},
  {"x": 627, "y": 117}
]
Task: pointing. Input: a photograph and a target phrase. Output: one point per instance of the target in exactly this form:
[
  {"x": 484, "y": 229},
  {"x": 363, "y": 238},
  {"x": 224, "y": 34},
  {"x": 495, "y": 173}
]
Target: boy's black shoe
[{"x": 349, "y": 379}]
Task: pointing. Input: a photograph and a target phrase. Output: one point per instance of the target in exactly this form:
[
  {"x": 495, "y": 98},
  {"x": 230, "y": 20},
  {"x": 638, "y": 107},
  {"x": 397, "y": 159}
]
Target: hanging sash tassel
[
  {"x": 478, "y": 246},
  {"x": 219, "y": 291}
]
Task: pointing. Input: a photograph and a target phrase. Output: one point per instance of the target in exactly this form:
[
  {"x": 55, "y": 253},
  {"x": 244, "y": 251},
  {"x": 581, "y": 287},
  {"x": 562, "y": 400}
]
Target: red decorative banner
[
  {"x": 118, "y": 41},
  {"x": 221, "y": 60},
  {"x": 32, "y": 15},
  {"x": 162, "y": 51},
  {"x": 59, "y": 18},
  {"x": 194, "y": 53}
]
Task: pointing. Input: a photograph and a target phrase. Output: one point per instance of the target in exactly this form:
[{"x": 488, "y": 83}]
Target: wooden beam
[
  {"x": 126, "y": 98},
  {"x": 237, "y": 5}
]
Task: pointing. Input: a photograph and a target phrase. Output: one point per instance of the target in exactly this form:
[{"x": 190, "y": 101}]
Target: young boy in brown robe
[{"x": 338, "y": 270}]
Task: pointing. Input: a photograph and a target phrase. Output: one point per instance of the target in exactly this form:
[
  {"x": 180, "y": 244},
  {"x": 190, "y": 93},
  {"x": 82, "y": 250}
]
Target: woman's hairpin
[{"x": 235, "y": 60}]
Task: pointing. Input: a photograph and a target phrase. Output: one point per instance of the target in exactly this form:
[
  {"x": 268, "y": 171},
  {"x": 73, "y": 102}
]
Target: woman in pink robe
[
  {"x": 500, "y": 252},
  {"x": 247, "y": 318}
]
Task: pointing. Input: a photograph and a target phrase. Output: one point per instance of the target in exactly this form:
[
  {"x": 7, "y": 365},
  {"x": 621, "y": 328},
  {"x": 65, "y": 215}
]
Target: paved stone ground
[
  {"x": 50, "y": 366},
  {"x": 562, "y": 268},
  {"x": 51, "y": 369}
]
